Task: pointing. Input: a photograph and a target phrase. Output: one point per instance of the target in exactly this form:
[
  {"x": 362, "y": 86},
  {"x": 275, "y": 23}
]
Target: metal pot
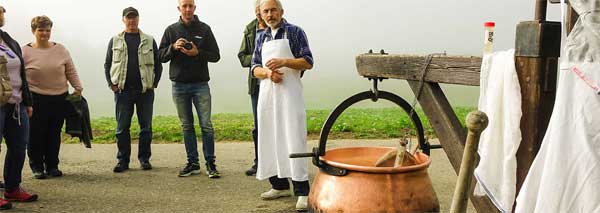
[
  {"x": 348, "y": 181},
  {"x": 366, "y": 188}
]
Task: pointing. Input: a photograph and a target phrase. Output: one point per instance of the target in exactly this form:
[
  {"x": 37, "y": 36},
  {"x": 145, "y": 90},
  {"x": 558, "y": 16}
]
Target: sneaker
[
  {"x": 211, "y": 170},
  {"x": 251, "y": 171},
  {"x": 5, "y": 204},
  {"x": 39, "y": 175},
  {"x": 54, "y": 173},
  {"x": 20, "y": 195},
  {"x": 274, "y": 194},
  {"x": 302, "y": 203},
  {"x": 146, "y": 165},
  {"x": 190, "y": 169},
  {"x": 120, "y": 167}
]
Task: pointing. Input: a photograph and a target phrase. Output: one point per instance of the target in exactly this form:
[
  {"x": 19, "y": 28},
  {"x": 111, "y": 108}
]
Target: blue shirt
[{"x": 296, "y": 36}]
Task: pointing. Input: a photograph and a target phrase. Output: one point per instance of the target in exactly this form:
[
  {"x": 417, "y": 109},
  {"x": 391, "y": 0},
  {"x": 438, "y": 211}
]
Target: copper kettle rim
[{"x": 335, "y": 157}]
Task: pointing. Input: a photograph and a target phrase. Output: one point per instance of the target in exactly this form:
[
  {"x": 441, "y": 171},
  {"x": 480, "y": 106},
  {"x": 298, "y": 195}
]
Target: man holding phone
[{"x": 189, "y": 45}]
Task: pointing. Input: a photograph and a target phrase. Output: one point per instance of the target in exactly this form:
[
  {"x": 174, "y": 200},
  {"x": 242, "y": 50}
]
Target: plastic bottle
[{"x": 488, "y": 43}]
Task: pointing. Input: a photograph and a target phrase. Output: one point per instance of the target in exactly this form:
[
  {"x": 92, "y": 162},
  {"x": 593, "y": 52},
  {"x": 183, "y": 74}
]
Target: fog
[{"x": 337, "y": 30}]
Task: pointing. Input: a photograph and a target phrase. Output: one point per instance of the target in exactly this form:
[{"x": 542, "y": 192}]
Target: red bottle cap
[{"x": 489, "y": 24}]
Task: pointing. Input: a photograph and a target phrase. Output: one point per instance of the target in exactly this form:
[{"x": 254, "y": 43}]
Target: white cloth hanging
[
  {"x": 500, "y": 99},
  {"x": 565, "y": 175},
  {"x": 281, "y": 119}
]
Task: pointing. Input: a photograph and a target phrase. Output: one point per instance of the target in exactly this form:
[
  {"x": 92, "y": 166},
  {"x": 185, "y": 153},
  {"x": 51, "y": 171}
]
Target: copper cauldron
[
  {"x": 366, "y": 188},
  {"x": 348, "y": 181}
]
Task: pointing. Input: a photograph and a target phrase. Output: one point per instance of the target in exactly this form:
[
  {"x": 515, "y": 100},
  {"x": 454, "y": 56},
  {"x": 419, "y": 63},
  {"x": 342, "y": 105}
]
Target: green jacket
[{"x": 246, "y": 52}]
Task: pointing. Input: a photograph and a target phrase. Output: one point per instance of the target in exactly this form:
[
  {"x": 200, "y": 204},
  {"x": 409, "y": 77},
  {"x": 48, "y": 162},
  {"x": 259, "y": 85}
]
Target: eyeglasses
[{"x": 7, "y": 51}]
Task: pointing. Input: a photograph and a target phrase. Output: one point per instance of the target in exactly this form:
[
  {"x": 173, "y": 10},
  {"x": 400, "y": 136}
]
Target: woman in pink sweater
[{"x": 49, "y": 67}]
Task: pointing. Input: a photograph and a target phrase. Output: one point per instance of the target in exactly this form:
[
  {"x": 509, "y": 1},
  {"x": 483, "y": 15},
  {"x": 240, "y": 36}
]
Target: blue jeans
[
  {"x": 197, "y": 94},
  {"x": 254, "y": 99},
  {"x": 125, "y": 101},
  {"x": 14, "y": 127}
]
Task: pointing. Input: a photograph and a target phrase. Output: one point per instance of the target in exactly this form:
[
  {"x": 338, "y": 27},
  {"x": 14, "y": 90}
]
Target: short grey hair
[
  {"x": 276, "y": 2},
  {"x": 257, "y": 3}
]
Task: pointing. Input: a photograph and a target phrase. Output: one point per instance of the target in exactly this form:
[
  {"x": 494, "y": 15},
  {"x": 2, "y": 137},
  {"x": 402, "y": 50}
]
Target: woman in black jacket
[{"x": 14, "y": 122}]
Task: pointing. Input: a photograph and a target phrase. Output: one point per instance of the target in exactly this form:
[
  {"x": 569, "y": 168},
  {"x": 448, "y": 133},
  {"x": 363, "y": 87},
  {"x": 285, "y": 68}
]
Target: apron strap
[{"x": 285, "y": 36}]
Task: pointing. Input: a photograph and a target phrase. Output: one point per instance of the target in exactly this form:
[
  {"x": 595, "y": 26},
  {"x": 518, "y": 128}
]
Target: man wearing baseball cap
[{"x": 132, "y": 72}]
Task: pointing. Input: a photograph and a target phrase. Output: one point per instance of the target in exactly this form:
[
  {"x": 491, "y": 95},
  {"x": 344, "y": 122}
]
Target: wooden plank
[
  {"x": 462, "y": 70},
  {"x": 450, "y": 132},
  {"x": 537, "y": 77}
]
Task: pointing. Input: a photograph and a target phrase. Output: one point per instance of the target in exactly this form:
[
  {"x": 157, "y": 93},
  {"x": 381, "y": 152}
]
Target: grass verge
[{"x": 352, "y": 124}]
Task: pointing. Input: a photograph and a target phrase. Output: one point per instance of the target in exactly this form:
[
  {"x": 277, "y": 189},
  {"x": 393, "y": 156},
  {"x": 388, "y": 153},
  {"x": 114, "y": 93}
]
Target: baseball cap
[{"x": 130, "y": 11}]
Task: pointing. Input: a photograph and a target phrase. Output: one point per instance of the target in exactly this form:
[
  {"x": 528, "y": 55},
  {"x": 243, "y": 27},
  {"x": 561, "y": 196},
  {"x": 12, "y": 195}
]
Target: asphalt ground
[{"x": 89, "y": 185}]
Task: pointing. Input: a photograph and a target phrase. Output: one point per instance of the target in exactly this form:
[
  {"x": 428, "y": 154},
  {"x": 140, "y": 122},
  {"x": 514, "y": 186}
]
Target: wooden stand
[{"x": 462, "y": 70}]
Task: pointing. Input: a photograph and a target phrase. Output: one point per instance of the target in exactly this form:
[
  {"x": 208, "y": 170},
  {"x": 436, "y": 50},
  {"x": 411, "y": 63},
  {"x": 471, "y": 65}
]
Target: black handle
[
  {"x": 302, "y": 155},
  {"x": 365, "y": 96}
]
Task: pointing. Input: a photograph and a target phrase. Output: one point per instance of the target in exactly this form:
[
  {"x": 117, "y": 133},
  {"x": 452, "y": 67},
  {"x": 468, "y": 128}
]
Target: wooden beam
[
  {"x": 462, "y": 70},
  {"x": 537, "y": 77},
  {"x": 449, "y": 131}
]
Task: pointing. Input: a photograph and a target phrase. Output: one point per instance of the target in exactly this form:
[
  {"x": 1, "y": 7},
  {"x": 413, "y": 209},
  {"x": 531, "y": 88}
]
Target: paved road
[{"x": 89, "y": 185}]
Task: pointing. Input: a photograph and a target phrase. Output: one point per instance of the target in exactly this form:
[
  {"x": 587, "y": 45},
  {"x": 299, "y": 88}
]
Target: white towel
[
  {"x": 500, "y": 99},
  {"x": 565, "y": 175}
]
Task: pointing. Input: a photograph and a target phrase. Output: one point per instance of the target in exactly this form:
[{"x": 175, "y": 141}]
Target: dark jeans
[
  {"x": 254, "y": 99},
  {"x": 197, "y": 94},
  {"x": 14, "y": 127},
  {"x": 301, "y": 188},
  {"x": 46, "y": 125},
  {"x": 125, "y": 101}
]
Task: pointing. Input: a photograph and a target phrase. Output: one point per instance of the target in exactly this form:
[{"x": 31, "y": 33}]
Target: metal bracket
[
  {"x": 375, "y": 89},
  {"x": 334, "y": 171}
]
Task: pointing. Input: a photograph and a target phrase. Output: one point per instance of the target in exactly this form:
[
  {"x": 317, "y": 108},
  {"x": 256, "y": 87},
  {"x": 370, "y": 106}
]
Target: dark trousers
[
  {"x": 301, "y": 188},
  {"x": 45, "y": 128},
  {"x": 14, "y": 127},
  {"x": 125, "y": 101},
  {"x": 254, "y": 98}
]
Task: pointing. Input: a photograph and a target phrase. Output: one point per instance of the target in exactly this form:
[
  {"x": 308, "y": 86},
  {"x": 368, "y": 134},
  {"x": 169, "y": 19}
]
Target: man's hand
[
  {"x": 114, "y": 88},
  {"x": 276, "y": 76},
  {"x": 178, "y": 45},
  {"x": 29, "y": 111},
  {"x": 276, "y": 63},
  {"x": 191, "y": 52}
]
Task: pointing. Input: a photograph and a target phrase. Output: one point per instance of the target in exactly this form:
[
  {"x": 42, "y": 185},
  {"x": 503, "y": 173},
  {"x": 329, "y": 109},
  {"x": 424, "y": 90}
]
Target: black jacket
[
  {"x": 184, "y": 68},
  {"x": 15, "y": 47},
  {"x": 78, "y": 120}
]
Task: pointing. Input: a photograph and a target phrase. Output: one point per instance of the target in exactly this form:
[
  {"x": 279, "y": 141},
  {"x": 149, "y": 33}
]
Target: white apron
[{"x": 281, "y": 119}]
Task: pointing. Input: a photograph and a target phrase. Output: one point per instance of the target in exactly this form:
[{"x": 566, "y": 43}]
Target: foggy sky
[{"x": 337, "y": 30}]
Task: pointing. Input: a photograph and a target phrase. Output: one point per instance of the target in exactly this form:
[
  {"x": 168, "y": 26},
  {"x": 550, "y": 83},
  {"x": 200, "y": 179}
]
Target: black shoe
[
  {"x": 146, "y": 165},
  {"x": 39, "y": 175},
  {"x": 1, "y": 185},
  {"x": 251, "y": 171},
  {"x": 54, "y": 173},
  {"x": 190, "y": 169},
  {"x": 211, "y": 170},
  {"x": 120, "y": 167}
]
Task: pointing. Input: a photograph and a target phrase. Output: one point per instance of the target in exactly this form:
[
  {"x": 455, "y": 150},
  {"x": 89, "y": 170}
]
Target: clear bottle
[{"x": 488, "y": 43}]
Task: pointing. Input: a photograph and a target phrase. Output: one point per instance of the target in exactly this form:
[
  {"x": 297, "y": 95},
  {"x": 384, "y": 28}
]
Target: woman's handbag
[{"x": 5, "y": 88}]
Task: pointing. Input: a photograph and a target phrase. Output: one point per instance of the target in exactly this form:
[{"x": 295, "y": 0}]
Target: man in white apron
[{"x": 280, "y": 56}]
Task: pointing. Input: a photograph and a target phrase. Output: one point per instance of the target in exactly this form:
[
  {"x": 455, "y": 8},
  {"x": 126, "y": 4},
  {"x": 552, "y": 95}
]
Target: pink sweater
[{"x": 49, "y": 69}]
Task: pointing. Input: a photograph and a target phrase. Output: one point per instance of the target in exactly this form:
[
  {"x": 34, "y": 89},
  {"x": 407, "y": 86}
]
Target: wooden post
[
  {"x": 536, "y": 58},
  {"x": 476, "y": 122}
]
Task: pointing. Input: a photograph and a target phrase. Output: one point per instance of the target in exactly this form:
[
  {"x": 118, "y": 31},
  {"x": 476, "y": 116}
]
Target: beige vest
[{"x": 118, "y": 69}]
